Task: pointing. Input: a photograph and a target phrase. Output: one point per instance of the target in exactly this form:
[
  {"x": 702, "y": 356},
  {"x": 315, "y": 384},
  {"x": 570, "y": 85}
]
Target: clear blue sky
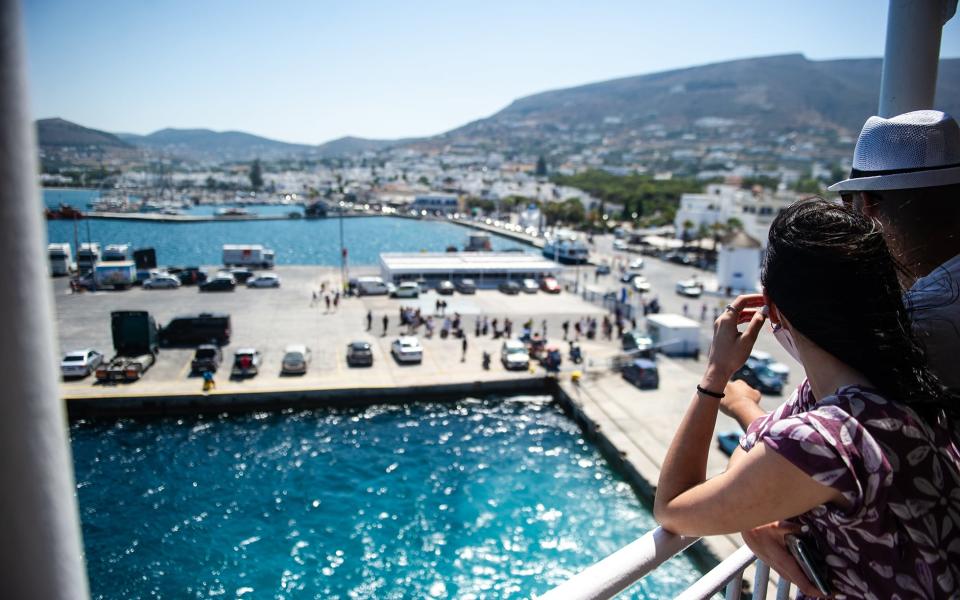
[{"x": 310, "y": 71}]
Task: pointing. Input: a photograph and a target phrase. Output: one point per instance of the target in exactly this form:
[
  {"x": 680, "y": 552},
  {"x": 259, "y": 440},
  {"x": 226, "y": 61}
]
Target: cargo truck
[
  {"x": 136, "y": 343},
  {"x": 61, "y": 259},
  {"x": 674, "y": 335},
  {"x": 116, "y": 275},
  {"x": 247, "y": 255},
  {"x": 87, "y": 256}
]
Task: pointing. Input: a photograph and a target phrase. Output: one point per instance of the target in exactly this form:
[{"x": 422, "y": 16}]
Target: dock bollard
[{"x": 575, "y": 377}]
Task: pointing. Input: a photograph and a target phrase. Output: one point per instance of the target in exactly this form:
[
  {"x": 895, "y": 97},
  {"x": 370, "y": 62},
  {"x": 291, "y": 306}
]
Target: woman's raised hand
[{"x": 730, "y": 347}]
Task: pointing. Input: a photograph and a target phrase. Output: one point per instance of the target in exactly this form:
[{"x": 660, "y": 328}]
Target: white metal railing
[{"x": 628, "y": 565}]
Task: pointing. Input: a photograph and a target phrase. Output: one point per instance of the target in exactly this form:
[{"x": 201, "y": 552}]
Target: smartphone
[{"x": 809, "y": 561}]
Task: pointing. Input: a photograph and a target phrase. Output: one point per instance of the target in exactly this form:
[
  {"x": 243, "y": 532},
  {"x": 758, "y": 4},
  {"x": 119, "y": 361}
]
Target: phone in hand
[{"x": 809, "y": 562}]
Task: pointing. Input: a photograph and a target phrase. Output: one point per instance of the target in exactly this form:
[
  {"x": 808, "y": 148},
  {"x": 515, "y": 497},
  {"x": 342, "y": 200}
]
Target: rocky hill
[
  {"x": 60, "y": 133},
  {"x": 776, "y": 93}
]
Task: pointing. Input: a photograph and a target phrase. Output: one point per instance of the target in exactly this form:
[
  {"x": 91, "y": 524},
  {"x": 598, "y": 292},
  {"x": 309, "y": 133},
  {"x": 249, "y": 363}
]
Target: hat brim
[{"x": 899, "y": 181}]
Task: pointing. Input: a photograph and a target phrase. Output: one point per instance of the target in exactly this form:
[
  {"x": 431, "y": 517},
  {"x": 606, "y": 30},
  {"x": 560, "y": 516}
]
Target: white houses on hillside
[{"x": 754, "y": 209}]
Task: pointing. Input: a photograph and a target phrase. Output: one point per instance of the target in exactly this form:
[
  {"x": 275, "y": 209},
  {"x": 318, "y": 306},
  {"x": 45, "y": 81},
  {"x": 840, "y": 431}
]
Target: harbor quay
[{"x": 633, "y": 427}]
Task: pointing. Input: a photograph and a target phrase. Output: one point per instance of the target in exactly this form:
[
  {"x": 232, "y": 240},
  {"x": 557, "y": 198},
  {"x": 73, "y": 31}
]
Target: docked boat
[
  {"x": 567, "y": 250},
  {"x": 233, "y": 212},
  {"x": 64, "y": 212},
  {"x": 478, "y": 241}
]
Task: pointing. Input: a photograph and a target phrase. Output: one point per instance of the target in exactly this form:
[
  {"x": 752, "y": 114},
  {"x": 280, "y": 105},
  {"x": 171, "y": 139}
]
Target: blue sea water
[
  {"x": 479, "y": 499},
  {"x": 298, "y": 242}
]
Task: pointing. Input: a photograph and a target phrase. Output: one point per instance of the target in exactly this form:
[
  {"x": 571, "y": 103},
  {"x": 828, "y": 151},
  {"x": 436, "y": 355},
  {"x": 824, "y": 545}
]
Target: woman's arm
[{"x": 751, "y": 492}]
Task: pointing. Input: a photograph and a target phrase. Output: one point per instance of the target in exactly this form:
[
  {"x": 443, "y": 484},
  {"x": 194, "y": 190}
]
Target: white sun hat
[{"x": 914, "y": 150}]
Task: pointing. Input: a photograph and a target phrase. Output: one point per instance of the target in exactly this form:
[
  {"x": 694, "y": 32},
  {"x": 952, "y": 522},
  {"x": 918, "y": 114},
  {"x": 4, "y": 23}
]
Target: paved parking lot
[{"x": 270, "y": 319}]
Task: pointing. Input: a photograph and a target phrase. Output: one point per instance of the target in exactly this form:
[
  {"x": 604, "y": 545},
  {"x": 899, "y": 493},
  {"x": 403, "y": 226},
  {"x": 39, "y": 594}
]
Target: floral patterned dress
[{"x": 900, "y": 538}]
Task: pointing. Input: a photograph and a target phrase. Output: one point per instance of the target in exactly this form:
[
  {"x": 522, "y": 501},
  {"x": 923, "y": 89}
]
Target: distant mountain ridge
[
  {"x": 57, "y": 132},
  {"x": 775, "y": 92},
  {"x": 771, "y": 94}
]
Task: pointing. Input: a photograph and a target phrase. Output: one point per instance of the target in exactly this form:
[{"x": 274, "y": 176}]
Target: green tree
[
  {"x": 541, "y": 168},
  {"x": 256, "y": 175},
  {"x": 423, "y": 180}
]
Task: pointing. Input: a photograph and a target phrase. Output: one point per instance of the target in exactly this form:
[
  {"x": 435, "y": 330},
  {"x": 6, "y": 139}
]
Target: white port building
[{"x": 486, "y": 269}]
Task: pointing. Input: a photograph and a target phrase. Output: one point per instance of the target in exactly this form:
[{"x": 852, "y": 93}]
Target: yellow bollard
[{"x": 575, "y": 376}]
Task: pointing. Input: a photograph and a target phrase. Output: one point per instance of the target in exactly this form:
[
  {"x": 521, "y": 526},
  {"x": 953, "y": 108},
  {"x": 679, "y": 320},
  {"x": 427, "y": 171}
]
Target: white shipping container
[{"x": 674, "y": 335}]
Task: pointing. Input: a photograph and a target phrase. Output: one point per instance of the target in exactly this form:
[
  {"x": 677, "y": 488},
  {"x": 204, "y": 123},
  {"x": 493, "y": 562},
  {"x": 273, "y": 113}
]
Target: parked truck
[
  {"x": 61, "y": 259},
  {"x": 116, "y": 275},
  {"x": 87, "y": 256},
  {"x": 247, "y": 255},
  {"x": 674, "y": 335},
  {"x": 136, "y": 345}
]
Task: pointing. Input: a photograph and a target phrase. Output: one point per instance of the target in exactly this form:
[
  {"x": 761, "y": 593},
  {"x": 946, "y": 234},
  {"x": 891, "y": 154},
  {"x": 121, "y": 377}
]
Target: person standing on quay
[
  {"x": 369, "y": 319},
  {"x": 463, "y": 345},
  {"x": 386, "y": 322}
]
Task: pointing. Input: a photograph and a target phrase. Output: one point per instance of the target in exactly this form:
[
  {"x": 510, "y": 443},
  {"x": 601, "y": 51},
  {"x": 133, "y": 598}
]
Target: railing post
[
  {"x": 41, "y": 549},
  {"x": 761, "y": 579}
]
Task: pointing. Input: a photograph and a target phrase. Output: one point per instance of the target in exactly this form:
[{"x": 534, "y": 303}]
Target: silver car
[
  {"x": 80, "y": 363},
  {"x": 296, "y": 358},
  {"x": 161, "y": 281}
]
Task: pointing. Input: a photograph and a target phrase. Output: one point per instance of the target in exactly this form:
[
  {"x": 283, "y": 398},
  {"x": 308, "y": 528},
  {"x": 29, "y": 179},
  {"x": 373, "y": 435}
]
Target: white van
[{"x": 371, "y": 286}]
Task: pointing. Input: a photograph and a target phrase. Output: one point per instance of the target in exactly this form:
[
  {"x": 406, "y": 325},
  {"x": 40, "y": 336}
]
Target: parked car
[
  {"x": 778, "y": 368},
  {"x": 264, "y": 280},
  {"x": 529, "y": 286},
  {"x": 359, "y": 354},
  {"x": 207, "y": 357},
  {"x": 629, "y": 276},
  {"x": 162, "y": 281},
  {"x": 220, "y": 283},
  {"x": 636, "y": 264},
  {"x": 642, "y": 373},
  {"x": 80, "y": 363},
  {"x": 603, "y": 269},
  {"x": 550, "y": 285},
  {"x": 407, "y": 289},
  {"x": 407, "y": 349},
  {"x": 189, "y": 275},
  {"x": 466, "y": 286},
  {"x": 640, "y": 284},
  {"x": 638, "y": 343},
  {"x": 513, "y": 355},
  {"x": 246, "y": 362},
  {"x": 619, "y": 245},
  {"x": 511, "y": 288},
  {"x": 296, "y": 359},
  {"x": 691, "y": 288},
  {"x": 729, "y": 441},
  {"x": 241, "y": 275},
  {"x": 758, "y": 376},
  {"x": 445, "y": 287}
]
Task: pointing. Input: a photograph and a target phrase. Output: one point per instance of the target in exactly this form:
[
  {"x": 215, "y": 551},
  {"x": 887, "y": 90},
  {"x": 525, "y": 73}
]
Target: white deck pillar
[
  {"x": 912, "y": 54},
  {"x": 40, "y": 552}
]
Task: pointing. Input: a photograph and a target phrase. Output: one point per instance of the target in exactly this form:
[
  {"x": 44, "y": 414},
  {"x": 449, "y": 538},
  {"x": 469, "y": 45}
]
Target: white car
[
  {"x": 80, "y": 363},
  {"x": 640, "y": 284},
  {"x": 619, "y": 245},
  {"x": 407, "y": 349},
  {"x": 690, "y": 288},
  {"x": 529, "y": 286},
  {"x": 636, "y": 264},
  {"x": 513, "y": 355},
  {"x": 264, "y": 280},
  {"x": 162, "y": 281},
  {"x": 777, "y": 368},
  {"x": 295, "y": 359},
  {"x": 407, "y": 289}
]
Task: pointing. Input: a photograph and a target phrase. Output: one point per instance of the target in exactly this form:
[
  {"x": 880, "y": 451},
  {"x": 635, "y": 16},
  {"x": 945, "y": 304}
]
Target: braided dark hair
[{"x": 829, "y": 271}]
